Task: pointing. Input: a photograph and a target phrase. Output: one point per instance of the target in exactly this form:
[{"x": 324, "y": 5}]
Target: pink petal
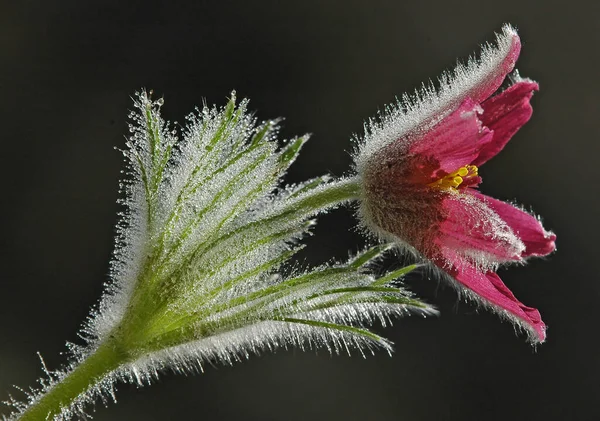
[
  {"x": 454, "y": 142},
  {"x": 420, "y": 113},
  {"x": 493, "y": 76},
  {"x": 476, "y": 232},
  {"x": 489, "y": 289},
  {"x": 505, "y": 114},
  {"x": 538, "y": 241}
]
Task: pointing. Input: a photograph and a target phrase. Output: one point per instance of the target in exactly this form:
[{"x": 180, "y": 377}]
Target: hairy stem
[{"x": 65, "y": 393}]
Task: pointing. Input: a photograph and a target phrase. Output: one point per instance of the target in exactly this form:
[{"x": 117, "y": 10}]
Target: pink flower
[{"x": 419, "y": 167}]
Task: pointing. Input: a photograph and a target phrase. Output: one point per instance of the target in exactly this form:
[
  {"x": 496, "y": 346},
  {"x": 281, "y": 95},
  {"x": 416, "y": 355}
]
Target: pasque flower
[
  {"x": 201, "y": 271},
  {"x": 418, "y": 167}
]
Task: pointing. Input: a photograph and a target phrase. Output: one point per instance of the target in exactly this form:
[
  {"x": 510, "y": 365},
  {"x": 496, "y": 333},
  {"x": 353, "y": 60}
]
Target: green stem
[{"x": 107, "y": 357}]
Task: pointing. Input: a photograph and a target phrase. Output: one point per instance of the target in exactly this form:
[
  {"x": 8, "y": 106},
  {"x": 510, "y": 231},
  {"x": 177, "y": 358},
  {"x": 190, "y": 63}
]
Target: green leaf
[
  {"x": 392, "y": 276},
  {"x": 342, "y": 328},
  {"x": 300, "y": 207},
  {"x": 370, "y": 254},
  {"x": 290, "y": 152},
  {"x": 262, "y": 133},
  {"x": 309, "y": 185}
]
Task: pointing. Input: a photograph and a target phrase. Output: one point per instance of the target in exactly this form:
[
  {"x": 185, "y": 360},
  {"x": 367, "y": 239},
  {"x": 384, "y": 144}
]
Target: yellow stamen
[
  {"x": 456, "y": 178},
  {"x": 462, "y": 171}
]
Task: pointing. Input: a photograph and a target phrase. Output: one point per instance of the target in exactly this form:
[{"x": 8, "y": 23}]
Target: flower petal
[
  {"x": 476, "y": 233},
  {"x": 455, "y": 142},
  {"x": 478, "y": 80},
  {"x": 538, "y": 241},
  {"x": 488, "y": 289},
  {"x": 485, "y": 77},
  {"x": 417, "y": 114},
  {"x": 505, "y": 114}
]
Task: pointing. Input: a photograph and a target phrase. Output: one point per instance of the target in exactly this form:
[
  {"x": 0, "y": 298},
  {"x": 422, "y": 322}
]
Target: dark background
[{"x": 67, "y": 71}]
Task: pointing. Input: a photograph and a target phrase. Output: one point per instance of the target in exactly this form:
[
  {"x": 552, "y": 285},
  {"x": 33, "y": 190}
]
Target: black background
[{"x": 67, "y": 71}]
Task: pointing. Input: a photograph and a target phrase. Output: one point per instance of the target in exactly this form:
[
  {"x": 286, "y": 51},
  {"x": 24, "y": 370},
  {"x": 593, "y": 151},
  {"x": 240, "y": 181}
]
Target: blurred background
[{"x": 67, "y": 71}]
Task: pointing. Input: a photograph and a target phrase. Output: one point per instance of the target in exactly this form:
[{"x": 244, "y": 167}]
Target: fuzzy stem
[{"x": 107, "y": 357}]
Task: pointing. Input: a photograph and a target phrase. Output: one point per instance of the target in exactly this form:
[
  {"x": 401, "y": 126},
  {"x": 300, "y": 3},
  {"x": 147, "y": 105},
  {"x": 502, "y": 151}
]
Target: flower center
[{"x": 456, "y": 178}]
